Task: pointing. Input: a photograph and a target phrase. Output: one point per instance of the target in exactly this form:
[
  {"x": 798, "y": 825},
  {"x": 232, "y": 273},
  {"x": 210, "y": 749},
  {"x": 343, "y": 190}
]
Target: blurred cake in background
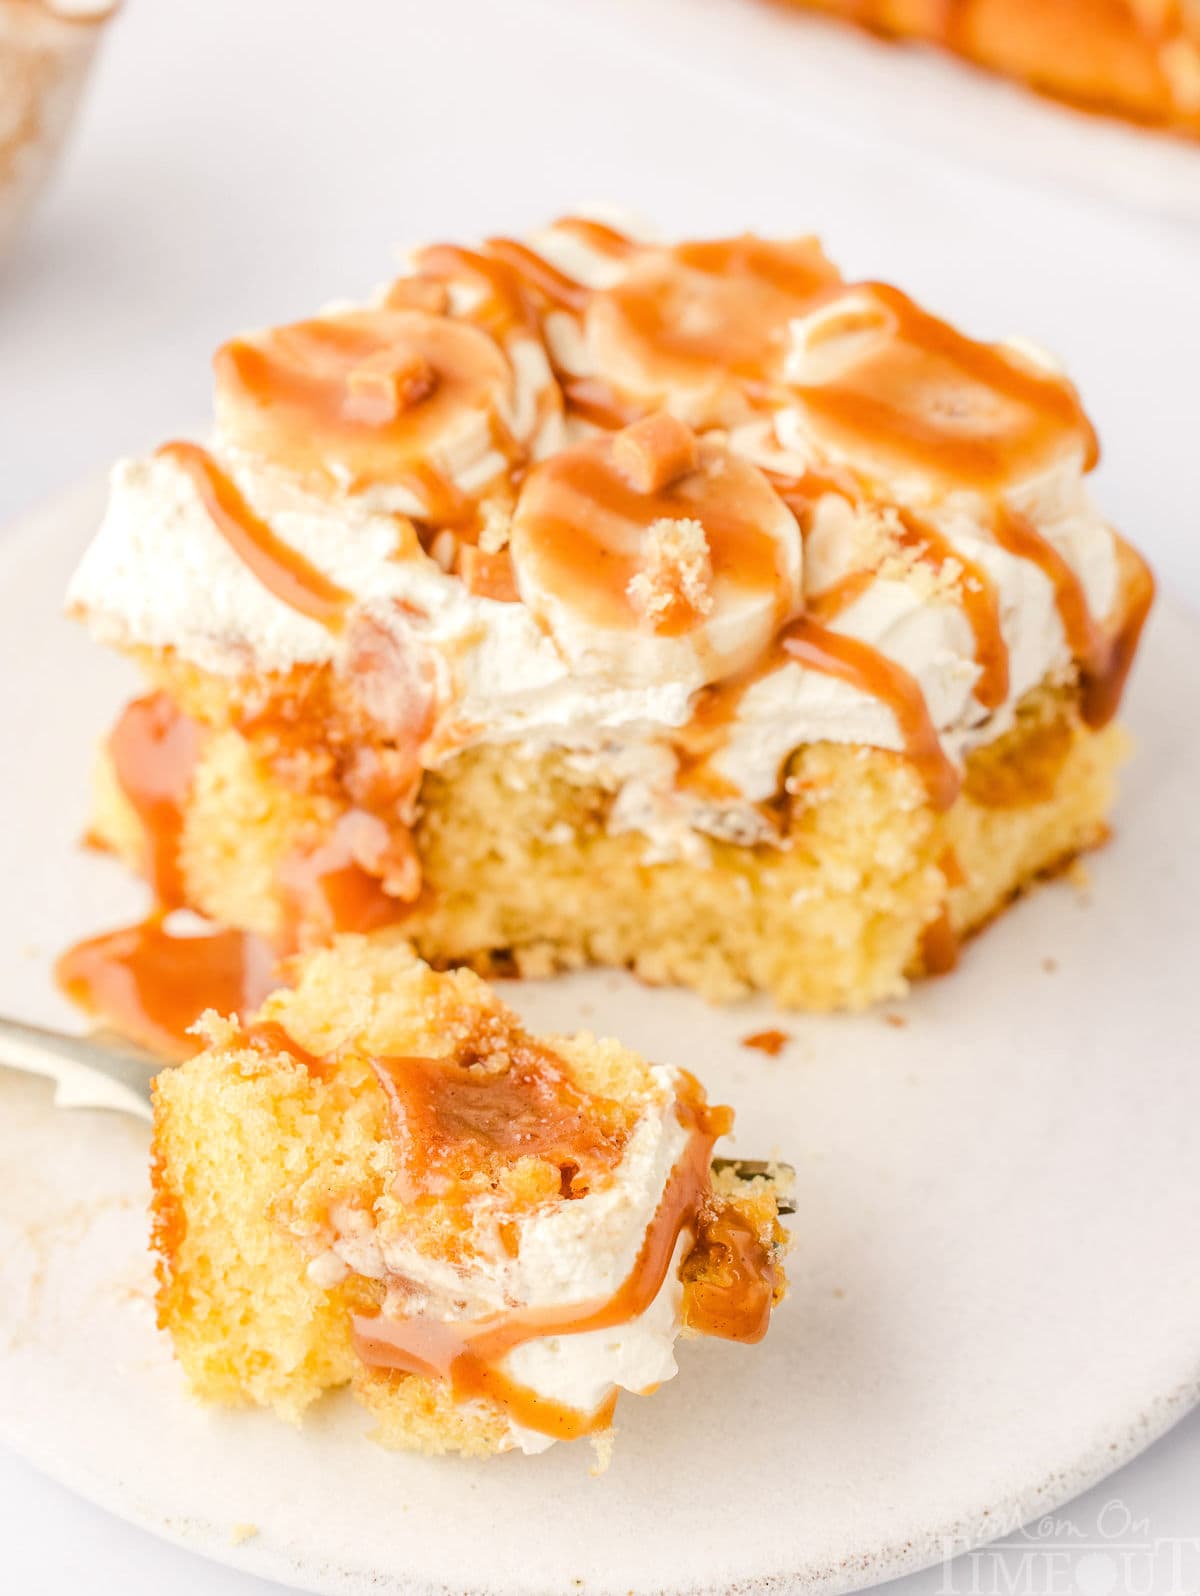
[
  {"x": 46, "y": 49},
  {"x": 1134, "y": 58}
]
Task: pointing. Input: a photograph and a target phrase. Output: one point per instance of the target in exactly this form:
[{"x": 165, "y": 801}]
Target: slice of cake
[
  {"x": 1136, "y": 58},
  {"x": 594, "y": 600},
  {"x": 381, "y": 1178}
]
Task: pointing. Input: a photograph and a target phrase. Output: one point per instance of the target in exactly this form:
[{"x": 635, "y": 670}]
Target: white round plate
[{"x": 994, "y": 1302}]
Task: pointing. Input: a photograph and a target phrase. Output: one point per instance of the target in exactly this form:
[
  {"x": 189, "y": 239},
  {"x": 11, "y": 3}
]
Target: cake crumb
[
  {"x": 536, "y": 961},
  {"x": 772, "y": 1043},
  {"x": 241, "y": 1533},
  {"x": 675, "y": 568},
  {"x": 897, "y": 1021},
  {"x": 1049, "y": 965},
  {"x": 493, "y": 535},
  {"x": 1079, "y": 877},
  {"x": 602, "y": 1447}
]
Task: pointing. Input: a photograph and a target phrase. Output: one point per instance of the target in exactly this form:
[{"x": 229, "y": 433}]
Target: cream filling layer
[
  {"x": 158, "y": 574},
  {"x": 569, "y": 1254}
]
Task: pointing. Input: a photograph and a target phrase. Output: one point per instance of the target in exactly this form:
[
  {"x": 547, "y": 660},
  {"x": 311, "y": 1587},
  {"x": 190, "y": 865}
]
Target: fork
[{"x": 102, "y": 1070}]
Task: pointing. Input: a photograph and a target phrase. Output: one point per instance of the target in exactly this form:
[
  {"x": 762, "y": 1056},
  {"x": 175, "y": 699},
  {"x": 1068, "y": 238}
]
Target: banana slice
[
  {"x": 418, "y": 413},
  {"x": 649, "y": 554},
  {"x": 904, "y": 398},
  {"x": 698, "y": 328}
]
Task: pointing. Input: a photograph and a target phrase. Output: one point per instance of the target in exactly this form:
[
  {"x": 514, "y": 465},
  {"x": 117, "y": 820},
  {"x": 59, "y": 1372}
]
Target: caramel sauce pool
[
  {"x": 146, "y": 981},
  {"x": 151, "y": 984}
]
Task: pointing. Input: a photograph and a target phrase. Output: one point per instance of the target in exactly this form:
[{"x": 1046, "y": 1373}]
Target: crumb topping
[{"x": 675, "y": 570}]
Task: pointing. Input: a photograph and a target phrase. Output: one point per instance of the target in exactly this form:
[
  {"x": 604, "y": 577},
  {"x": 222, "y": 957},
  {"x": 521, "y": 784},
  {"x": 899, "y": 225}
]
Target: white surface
[
  {"x": 234, "y": 167},
  {"x": 961, "y": 1234},
  {"x": 45, "y": 64}
]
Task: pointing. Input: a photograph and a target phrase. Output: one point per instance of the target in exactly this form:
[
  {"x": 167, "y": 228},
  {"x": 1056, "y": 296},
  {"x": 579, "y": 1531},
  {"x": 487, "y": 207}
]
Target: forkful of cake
[{"x": 381, "y": 1178}]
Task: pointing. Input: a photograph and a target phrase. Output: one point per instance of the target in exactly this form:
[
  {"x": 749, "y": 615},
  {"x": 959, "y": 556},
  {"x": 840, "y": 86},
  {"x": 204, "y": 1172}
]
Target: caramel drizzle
[
  {"x": 151, "y": 983},
  {"x": 980, "y": 600},
  {"x": 504, "y": 308},
  {"x": 858, "y": 408},
  {"x": 605, "y": 240},
  {"x": 281, "y": 569},
  {"x": 543, "y": 285},
  {"x": 816, "y": 647},
  {"x": 146, "y": 981},
  {"x": 802, "y": 493},
  {"x": 771, "y": 1042},
  {"x": 451, "y": 1114},
  {"x": 270, "y": 1037},
  {"x": 443, "y": 503},
  {"x": 517, "y": 279},
  {"x": 154, "y": 750},
  {"x": 582, "y": 519},
  {"x": 831, "y": 601},
  {"x": 517, "y": 273},
  {"x": 547, "y": 282},
  {"x": 719, "y": 308},
  {"x": 807, "y": 643},
  {"x": 980, "y": 603},
  {"x": 1104, "y": 658},
  {"x": 466, "y": 1355},
  {"x": 324, "y": 888},
  {"x": 595, "y": 401},
  {"x": 865, "y": 668},
  {"x": 730, "y": 1278},
  {"x": 359, "y": 398},
  {"x": 1103, "y": 687}
]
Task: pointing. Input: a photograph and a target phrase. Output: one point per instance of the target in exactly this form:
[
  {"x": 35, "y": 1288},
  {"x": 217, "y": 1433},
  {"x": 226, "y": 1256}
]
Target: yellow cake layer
[
  {"x": 250, "y": 1150},
  {"x": 520, "y": 870}
]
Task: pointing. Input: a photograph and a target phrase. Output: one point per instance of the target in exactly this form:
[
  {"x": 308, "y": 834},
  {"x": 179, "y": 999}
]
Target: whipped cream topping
[
  {"x": 838, "y": 456},
  {"x": 565, "y": 1255}
]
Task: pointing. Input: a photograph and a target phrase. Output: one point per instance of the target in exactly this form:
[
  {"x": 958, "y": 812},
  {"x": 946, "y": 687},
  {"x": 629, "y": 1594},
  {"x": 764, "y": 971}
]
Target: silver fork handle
[{"x": 88, "y": 1071}]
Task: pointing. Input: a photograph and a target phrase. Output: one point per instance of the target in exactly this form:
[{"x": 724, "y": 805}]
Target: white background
[{"x": 243, "y": 160}]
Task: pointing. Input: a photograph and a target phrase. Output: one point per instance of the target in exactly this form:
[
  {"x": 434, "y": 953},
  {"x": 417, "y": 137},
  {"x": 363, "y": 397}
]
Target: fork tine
[{"x": 755, "y": 1168}]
